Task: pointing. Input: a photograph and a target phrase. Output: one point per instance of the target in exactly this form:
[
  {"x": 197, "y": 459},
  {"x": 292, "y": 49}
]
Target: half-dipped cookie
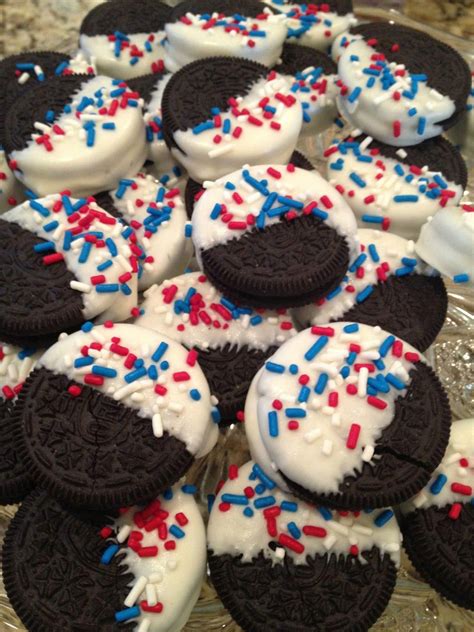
[
  {"x": 113, "y": 415},
  {"x": 222, "y": 113},
  {"x": 361, "y": 406},
  {"x": 386, "y": 285},
  {"x": 280, "y": 564},
  {"x": 231, "y": 343},
  {"x": 140, "y": 569},
  {"x": 273, "y": 236}
]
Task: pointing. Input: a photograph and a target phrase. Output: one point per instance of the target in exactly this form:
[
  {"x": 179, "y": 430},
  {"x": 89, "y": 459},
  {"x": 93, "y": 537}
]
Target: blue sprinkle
[
  {"x": 421, "y": 125},
  {"x": 260, "y": 474},
  {"x": 135, "y": 375},
  {"x": 358, "y": 262},
  {"x": 316, "y": 348},
  {"x": 45, "y": 246},
  {"x": 127, "y": 614},
  {"x": 354, "y": 95},
  {"x": 321, "y": 383},
  {"x": 111, "y": 246},
  {"x": 40, "y": 208},
  {"x": 215, "y": 415},
  {"x": 265, "y": 501},
  {"x": 109, "y": 553},
  {"x": 358, "y": 180},
  {"x": 351, "y": 329},
  {"x": 363, "y": 294},
  {"x": 461, "y": 278},
  {"x": 106, "y": 288},
  {"x": 326, "y": 513},
  {"x": 438, "y": 484},
  {"x": 304, "y": 394},
  {"x": 394, "y": 381},
  {"x": 189, "y": 489},
  {"x": 235, "y": 499},
  {"x": 83, "y": 361},
  {"x": 383, "y": 518},
  {"x": 87, "y": 327},
  {"x": 294, "y": 530},
  {"x": 248, "y": 512},
  {"x": 108, "y": 126},
  {"x": 405, "y": 198},
  {"x": 403, "y": 271},
  {"x": 372, "y": 219},
  {"x": 273, "y": 423},
  {"x": 211, "y": 498},
  {"x": 273, "y": 367},
  {"x": 103, "y": 370},
  {"x": 293, "y": 369},
  {"x": 408, "y": 261},
  {"x": 165, "y": 365},
  {"x": 195, "y": 394},
  {"x": 256, "y": 320},
  {"x": 188, "y": 230},
  {"x": 160, "y": 351},
  {"x": 152, "y": 372},
  {"x": 176, "y": 531},
  {"x": 373, "y": 253},
  {"x": 386, "y": 345},
  {"x": 287, "y": 505},
  {"x": 299, "y": 413},
  {"x": 104, "y": 266},
  {"x": 260, "y": 489}
]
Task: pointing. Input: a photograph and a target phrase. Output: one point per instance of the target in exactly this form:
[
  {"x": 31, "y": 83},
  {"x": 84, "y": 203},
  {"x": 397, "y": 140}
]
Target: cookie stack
[{"x": 170, "y": 140}]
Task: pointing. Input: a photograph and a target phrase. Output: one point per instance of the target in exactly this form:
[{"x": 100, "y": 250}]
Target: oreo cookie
[
  {"x": 437, "y": 524},
  {"x": 389, "y": 286},
  {"x": 221, "y": 113},
  {"x": 113, "y": 415},
  {"x": 199, "y": 29},
  {"x": 360, "y": 404},
  {"x": 231, "y": 343},
  {"x": 396, "y": 189},
  {"x": 272, "y": 236},
  {"x": 15, "y": 365},
  {"x": 62, "y": 262},
  {"x": 278, "y": 563},
  {"x": 49, "y": 124},
  {"x": 66, "y": 570},
  {"x": 194, "y": 190},
  {"x": 125, "y": 37},
  {"x": 418, "y": 89}
]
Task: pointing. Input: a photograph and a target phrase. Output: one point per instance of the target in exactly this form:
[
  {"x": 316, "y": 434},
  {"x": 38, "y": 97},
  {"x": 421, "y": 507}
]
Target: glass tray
[{"x": 414, "y": 605}]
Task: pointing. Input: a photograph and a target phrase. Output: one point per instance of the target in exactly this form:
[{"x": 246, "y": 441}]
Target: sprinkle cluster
[
  {"x": 308, "y": 17},
  {"x": 313, "y": 90},
  {"x": 26, "y": 70},
  {"x": 15, "y": 365},
  {"x": 125, "y": 48}
]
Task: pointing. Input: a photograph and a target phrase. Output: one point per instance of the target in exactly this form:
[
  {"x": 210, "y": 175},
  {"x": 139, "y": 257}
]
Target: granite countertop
[{"x": 42, "y": 24}]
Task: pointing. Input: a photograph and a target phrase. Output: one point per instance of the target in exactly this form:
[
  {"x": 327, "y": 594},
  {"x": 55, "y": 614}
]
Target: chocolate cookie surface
[{"x": 126, "y": 16}]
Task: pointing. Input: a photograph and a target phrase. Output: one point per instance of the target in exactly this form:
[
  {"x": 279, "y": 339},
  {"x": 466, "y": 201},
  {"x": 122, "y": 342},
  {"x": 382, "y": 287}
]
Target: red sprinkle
[
  {"x": 353, "y": 437},
  {"x": 459, "y": 488},
  {"x": 376, "y": 402},
  {"x": 455, "y": 511},
  {"x": 74, "y": 390},
  {"x": 290, "y": 543},
  {"x": 316, "y": 532}
]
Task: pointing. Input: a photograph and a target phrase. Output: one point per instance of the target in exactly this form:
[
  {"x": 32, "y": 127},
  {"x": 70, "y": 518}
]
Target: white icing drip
[
  {"x": 390, "y": 248},
  {"x": 74, "y": 166},
  {"x": 375, "y": 111},
  {"x": 10, "y": 188},
  {"x": 14, "y": 369},
  {"x": 160, "y": 316},
  {"x": 101, "y": 51},
  {"x": 187, "y": 42},
  {"x": 446, "y": 242},
  {"x": 231, "y": 532},
  {"x": 181, "y": 416},
  {"x": 461, "y": 446},
  {"x": 168, "y": 246},
  {"x": 290, "y": 449},
  {"x": 206, "y": 160},
  {"x": 304, "y": 186}
]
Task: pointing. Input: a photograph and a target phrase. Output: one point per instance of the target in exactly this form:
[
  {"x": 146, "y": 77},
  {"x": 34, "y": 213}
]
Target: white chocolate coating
[
  {"x": 387, "y": 249},
  {"x": 160, "y": 227},
  {"x": 323, "y": 423},
  {"x": 303, "y": 186},
  {"x": 235, "y": 533},
  {"x": 126, "y": 65},
  {"x": 321, "y": 33},
  {"x": 204, "y": 159},
  {"x": 375, "y": 111},
  {"x": 439, "y": 492},
  {"x": 11, "y": 191},
  {"x": 317, "y": 96},
  {"x": 191, "y": 39},
  {"x": 72, "y": 164},
  {"x": 257, "y": 330},
  {"x": 446, "y": 243},
  {"x": 175, "y": 411},
  {"x": 381, "y": 193},
  {"x": 15, "y": 366},
  {"x": 158, "y": 152},
  {"x": 341, "y": 42}
]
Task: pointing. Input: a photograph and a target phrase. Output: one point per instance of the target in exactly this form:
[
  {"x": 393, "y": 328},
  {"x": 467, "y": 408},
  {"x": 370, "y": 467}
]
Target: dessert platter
[{"x": 236, "y": 322}]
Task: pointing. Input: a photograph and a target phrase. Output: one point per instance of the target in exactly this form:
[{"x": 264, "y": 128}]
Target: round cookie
[
  {"x": 15, "y": 366},
  {"x": 248, "y": 29},
  {"x": 158, "y": 218},
  {"x": 358, "y": 403},
  {"x": 194, "y": 190},
  {"x": 446, "y": 243},
  {"x": 231, "y": 342},
  {"x": 140, "y": 570},
  {"x": 438, "y": 523},
  {"x": 222, "y": 113},
  {"x": 400, "y": 85},
  {"x": 11, "y": 191},
  {"x": 63, "y": 262},
  {"x": 386, "y": 285},
  {"x": 312, "y": 76},
  {"x": 76, "y": 133},
  {"x": 396, "y": 189},
  {"x": 273, "y": 236},
  {"x": 113, "y": 415},
  {"x": 278, "y": 563},
  {"x": 125, "y": 38}
]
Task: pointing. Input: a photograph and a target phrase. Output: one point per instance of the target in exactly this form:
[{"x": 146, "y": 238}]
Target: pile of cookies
[{"x": 171, "y": 265}]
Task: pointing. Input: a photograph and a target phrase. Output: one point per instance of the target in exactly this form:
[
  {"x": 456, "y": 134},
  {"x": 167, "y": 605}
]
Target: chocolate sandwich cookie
[
  {"x": 15, "y": 366},
  {"x": 279, "y": 564},
  {"x": 315, "y": 25},
  {"x": 158, "y": 218},
  {"x": 63, "y": 262},
  {"x": 400, "y": 85},
  {"x": 194, "y": 190},
  {"x": 312, "y": 76},
  {"x": 438, "y": 523},
  {"x": 361, "y": 405},
  {"x": 11, "y": 191},
  {"x": 222, "y": 113},
  {"x": 124, "y": 37},
  {"x": 386, "y": 285},
  {"x": 396, "y": 189},
  {"x": 113, "y": 415},
  {"x": 248, "y": 29},
  {"x": 231, "y": 342},
  {"x": 273, "y": 236},
  {"x": 446, "y": 243},
  {"x": 75, "y": 133},
  {"x": 140, "y": 569}
]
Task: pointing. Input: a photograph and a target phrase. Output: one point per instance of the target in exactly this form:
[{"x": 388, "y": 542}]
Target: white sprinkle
[
  {"x": 311, "y": 436},
  {"x": 123, "y": 533},
  {"x": 144, "y": 625},
  {"x": 358, "y": 528},
  {"x": 136, "y": 591},
  {"x": 362, "y": 386},
  {"x": 172, "y": 564},
  {"x": 338, "y": 528},
  {"x": 176, "y": 407},
  {"x": 220, "y": 151},
  {"x": 157, "y": 425},
  {"x": 327, "y": 447},
  {"x": 151, "y": 596},
  {"x": 329, "y": 541},
  {"x": 80, "y": 287},
  {"x": 23, "y": 78},
  {"x": 453, "y": 458},
  {"x": 368, "y": 453},
  {"x": 420, "y": 499}
]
